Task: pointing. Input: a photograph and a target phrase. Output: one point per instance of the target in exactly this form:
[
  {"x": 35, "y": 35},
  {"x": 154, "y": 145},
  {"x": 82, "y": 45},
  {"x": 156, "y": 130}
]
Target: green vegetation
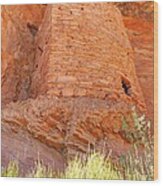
[
  {"x": 95, "y": 167},
  {"x": 137, "y": 164},
  {"x": 12, "y": 170},
  {"x": 41, "y": 171}
]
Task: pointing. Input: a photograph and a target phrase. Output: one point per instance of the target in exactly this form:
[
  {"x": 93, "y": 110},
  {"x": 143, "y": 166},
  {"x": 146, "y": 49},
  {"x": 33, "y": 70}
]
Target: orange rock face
[
  {"x": 73, "y": 79},
  {"x": 19, "y": 26},
  {"x": 139, "y": 21}
]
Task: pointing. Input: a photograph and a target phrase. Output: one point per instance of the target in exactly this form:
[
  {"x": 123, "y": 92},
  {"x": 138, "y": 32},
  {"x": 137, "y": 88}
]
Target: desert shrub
[
  {"x": 41, "y": 171},
  {"x": 138, "y": 163},
  {"x": 140, "y": 132},
  {"x": 96, "y": 167},
  {"x": 12, "y": 170}
]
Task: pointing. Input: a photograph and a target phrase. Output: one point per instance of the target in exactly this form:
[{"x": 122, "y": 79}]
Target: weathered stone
[
  {"x": 82, "y": 80},
  {"x": 96, "y": 48},
  {"x": 140, "y": 29},
  {"x": 68, "y": 91},
  {"x": 18, "y": 144},
  {"x": 19, "y": 27},
  {"x": 66, "y": 79}
]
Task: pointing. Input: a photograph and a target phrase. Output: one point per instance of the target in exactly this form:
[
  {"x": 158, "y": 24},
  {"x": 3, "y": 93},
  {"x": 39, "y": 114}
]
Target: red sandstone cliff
[
  {"x": 68, "y": 74},
  {"x": 138, "y": 19},
  {"x": 19, "y": 27}
]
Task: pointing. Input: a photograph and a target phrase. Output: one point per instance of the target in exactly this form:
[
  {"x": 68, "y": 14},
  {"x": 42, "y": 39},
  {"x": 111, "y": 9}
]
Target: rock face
[
  {"x": 138, "y": 19},
  {"x": 19, "y": 145},
  {"x": 19, "y": 26},
  {"x": 73, "y": 79}
]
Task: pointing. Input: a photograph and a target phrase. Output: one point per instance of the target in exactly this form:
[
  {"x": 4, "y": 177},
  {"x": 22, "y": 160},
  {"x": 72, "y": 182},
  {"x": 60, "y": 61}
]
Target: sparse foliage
[
  {"x": 12, "y": 170},
  {"x": 96, "y": 167}
]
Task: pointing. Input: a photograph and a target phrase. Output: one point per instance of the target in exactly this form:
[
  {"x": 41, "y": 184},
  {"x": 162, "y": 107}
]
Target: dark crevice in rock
[
  {"x": 40, "y": 49},
  {"x": 126, "y": 87},
  {"x": 32, "y": 28}
]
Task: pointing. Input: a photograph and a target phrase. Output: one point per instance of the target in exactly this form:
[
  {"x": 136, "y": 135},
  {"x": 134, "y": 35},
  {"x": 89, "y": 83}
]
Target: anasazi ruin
[{"x": 68, "y": 80}]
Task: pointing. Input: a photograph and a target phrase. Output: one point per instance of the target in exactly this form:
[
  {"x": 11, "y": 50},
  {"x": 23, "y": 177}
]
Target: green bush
[
  {"x": 41, "y": 171},
  {"x": 12, "y": 170},
  {"x": 96, "y": 167}
]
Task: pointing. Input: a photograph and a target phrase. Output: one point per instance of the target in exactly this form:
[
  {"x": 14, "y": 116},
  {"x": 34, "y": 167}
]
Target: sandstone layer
[
  {"x": 138, "y": 19},
  {"x": 68, "y": 83},
  {"x": 19, "y": 26}
]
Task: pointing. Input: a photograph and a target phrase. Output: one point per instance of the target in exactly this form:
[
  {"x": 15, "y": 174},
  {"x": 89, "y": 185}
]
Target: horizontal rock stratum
[{"x": 68, "y": 80}]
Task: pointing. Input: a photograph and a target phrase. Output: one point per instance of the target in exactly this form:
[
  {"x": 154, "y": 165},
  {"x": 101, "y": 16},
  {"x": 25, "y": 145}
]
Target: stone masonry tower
[
  {"x": 81, "y": 82},
  {"x": 83, "y": 50}
]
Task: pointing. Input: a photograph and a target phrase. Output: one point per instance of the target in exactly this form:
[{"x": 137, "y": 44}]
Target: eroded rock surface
[
  {"x": 138, "y": 18},
  {"x": 18, "y": 144},
  {"x": 72, "y": 125},
  {"x": 19, "y": 26},
  {"x": 82, "y": 82}
]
